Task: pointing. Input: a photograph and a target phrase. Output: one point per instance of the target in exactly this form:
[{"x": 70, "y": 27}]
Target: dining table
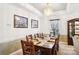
[{"x": 46, "y": 45}]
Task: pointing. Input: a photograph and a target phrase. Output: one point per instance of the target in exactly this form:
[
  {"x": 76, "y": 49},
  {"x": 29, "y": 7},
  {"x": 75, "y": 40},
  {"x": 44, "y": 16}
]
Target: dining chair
[
  {"x": 27, "y": 47},
  {"x": 37, "y": 35},
  {"x": 56, "y": 45},
  {"x": 29, "y": 37},
  {"x": 34, "y": 35},
  {"x": 42, "y": 35},
  {"x": 55, "y": 50},
  {"x": 26, "y": 38}
]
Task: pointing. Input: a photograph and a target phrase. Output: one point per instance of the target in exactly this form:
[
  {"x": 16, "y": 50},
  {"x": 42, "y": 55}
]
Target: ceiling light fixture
[{"x": 48, "y": 9}]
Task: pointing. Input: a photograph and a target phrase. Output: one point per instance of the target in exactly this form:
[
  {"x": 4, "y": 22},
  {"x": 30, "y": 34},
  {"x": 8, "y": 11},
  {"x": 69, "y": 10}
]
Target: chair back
[
  {"x": 42, "y": 35},
  {"x": 26, "y": 38},
  {"x": 37, "y": 35},
  {"x": 29, "y": 38},
  {"x": 34, "y": 35},
  {"x": 28, "y": 47}
]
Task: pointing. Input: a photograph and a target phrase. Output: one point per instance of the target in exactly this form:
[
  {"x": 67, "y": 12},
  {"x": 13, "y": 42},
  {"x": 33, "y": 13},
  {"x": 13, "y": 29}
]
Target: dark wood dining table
[{"x": 45, "y": 45}]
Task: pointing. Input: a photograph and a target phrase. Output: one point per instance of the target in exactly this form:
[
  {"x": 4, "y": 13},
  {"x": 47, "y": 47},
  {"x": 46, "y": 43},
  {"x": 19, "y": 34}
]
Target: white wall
[
  {"x": 1, "y": 21},
  {"x": 9, "y": 33},
  {"x": 64, "y": 19},
  {"x": 44, "y": 24},
  {"x": 70, "y": 13},
  {"x": 7, "y": 12}
]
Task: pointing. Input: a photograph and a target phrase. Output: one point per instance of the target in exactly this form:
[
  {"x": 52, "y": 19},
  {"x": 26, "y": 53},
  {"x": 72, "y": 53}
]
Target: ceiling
[{"x": 54, "y": 6}]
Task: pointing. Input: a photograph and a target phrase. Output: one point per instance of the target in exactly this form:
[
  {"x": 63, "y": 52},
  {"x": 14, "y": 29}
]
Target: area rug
[{"x": 65, "y": 49}]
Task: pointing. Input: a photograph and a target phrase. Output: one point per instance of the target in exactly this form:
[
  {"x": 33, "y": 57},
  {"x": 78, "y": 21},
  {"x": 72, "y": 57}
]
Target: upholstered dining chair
[{"x": 27, "y": 47}]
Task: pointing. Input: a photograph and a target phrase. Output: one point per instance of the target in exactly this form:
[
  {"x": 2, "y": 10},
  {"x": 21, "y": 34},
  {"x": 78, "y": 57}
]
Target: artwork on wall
[
  {"x": 34, "y": 23},
  {"x": 20, "y": 21}
]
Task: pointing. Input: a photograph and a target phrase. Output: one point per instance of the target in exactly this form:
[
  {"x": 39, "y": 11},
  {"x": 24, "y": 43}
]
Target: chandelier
[{"x": 48, "y": 10}]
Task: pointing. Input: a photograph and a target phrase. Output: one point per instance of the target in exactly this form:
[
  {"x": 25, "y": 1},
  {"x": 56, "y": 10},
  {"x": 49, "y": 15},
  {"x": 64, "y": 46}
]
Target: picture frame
[
  {"x": 20, "y": 21},
  {"x": 34, "y": 23}
]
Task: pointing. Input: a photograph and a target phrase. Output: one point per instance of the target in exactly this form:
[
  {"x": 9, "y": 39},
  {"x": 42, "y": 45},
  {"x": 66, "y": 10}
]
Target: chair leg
[
  {"x": 55, "y": 52},
  {"x": 57, "y": 47}
]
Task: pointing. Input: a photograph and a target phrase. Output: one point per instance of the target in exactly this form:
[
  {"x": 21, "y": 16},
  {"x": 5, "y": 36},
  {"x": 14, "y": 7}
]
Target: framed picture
[
  {"x": 20, "y": 22},
  {"x": 34, "y": 23}
]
